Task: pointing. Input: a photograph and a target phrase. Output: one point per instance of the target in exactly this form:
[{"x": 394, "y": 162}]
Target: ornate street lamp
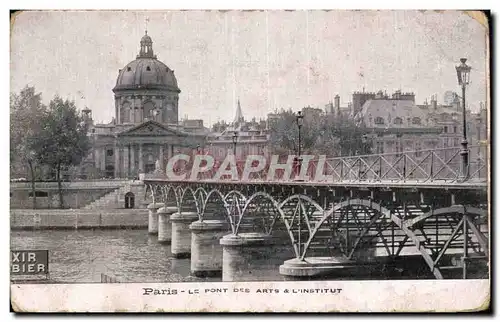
[
  {"x": 300, "y": 122},
  {"x": 463, "y": 75},
  {"x": 235, "y": 140}
]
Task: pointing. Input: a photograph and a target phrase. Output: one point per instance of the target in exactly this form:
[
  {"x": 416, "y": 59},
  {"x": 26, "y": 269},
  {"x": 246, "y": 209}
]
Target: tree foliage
[
  {"x": 63, "y": 140},
  {"x": 329, "y": 134},
  {"x": 26, "y": 110}
]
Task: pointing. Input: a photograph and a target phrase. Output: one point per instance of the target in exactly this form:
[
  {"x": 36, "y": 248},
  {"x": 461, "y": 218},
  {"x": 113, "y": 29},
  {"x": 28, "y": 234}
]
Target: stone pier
[
  {"x": 153, "y": 217},
  {"x": 181, "y": 234},
  {"x": 164, "y": 224},
  {"x": 296, "y": 269},
  {"x": 206, "y": 250},
  {"x": 243, "y": 254}
]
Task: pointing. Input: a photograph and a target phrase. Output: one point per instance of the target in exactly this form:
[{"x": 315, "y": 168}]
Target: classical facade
[
  {"x": 145, "y": 130},
  {"x": 251, "y": 138}
]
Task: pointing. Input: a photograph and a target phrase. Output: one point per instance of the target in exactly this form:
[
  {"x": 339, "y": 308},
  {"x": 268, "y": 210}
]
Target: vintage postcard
[{"x": 249, "y": 161}]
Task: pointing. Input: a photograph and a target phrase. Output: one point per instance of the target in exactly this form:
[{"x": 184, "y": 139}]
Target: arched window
[
  {"x": 129, "y": 200},
  {"x": 148, "y": 107},
  {"x": 398, "y": 121},
  {"x": 416, "y": 120},
  {"x": 379, "y": 120},
  {"x": 125, "y": 113},
  {"x": 129, "y": 69},
  {"x": 148, "y": 68}
]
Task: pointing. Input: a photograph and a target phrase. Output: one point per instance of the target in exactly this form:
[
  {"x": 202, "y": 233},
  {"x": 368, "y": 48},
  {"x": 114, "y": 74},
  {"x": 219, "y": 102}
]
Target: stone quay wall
[{"x": 24, "y": 219}]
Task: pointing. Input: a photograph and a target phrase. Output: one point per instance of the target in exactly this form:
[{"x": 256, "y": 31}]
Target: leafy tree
[
  {"x": 26, "y": 110},
  {"x": 330, "y": 134},
  {"x": 284, "y": 133},
  {"x": 343, "y": 136},
  {"x": 63, "y": 140}
]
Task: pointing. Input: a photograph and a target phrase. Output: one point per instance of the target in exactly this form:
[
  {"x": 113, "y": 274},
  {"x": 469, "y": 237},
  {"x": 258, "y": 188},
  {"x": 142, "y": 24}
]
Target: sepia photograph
[{"x": 236, "y": 160}]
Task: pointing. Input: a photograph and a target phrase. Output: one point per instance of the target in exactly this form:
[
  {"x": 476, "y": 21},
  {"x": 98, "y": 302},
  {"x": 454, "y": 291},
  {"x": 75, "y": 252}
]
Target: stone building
[
  {"x": 252, "y": 138},
  {"x": 396, "y": 124},
  {"x": 145, "y": 130}
]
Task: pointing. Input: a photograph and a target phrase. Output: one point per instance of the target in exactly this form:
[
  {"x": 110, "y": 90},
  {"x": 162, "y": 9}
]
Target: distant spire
[{"x": 238, "y": 117}]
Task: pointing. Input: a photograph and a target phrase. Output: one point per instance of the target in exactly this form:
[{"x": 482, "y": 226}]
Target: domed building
[
  {"x": 145, "y": 130},
  {"x": 146, "y": 89}
]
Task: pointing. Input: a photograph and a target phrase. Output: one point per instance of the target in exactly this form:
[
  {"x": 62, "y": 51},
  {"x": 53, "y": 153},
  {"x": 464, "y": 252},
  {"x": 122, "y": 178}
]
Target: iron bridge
[{"x": 414, "y": 202}]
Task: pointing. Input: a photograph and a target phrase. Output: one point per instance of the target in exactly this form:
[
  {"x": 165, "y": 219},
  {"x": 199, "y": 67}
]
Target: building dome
[{"x": 146, "y": 71}]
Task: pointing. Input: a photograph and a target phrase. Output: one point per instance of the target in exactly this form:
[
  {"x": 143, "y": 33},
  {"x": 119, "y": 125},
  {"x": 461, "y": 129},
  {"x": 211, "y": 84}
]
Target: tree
[
  {"x": 63, "y": 140},
  {"x": 284, "y": 133},
  {"x": 343, "y": 135},
  {"x": 332, "y": 135},
  {"x": 220, "y": 126},
  {"x": 26, "y": 110}
]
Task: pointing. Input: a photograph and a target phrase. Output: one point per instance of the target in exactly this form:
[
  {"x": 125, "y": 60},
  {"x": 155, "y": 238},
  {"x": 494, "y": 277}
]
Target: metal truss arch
[
  {"x": 188, "y": 192},
  {"x": 383, "y": 212}
]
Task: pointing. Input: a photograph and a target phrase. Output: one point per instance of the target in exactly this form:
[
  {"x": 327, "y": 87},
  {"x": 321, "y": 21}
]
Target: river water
[{"x": 81, "y": 256}]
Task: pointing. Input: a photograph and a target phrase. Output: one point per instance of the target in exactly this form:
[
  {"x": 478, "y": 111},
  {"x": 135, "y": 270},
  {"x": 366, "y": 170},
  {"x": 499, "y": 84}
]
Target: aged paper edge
[
  {"x": 333, "y": 296},
  {"x": 355, "y": 296}
]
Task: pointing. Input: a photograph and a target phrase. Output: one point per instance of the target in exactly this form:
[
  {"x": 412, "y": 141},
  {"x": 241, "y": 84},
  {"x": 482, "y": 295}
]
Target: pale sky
[{"x": 267, "y": 59}]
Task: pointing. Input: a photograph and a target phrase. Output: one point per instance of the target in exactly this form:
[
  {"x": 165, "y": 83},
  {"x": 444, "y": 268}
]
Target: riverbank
[{"x": 25, "y": 219}]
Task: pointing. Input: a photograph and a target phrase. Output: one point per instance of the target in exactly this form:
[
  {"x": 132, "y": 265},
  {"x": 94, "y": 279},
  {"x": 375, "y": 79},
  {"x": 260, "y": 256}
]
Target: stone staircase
[{"x": 116, "y": 198}]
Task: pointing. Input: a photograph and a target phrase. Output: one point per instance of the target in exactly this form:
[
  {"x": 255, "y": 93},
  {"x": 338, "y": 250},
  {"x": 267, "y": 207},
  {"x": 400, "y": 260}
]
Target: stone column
[
  {"x": 161, "y": 157},
  {"x": 117, "y": 161},
  {"x": 206, "y": 251},
  {"x": 97, "y": 160},
  {"x": 181, "y": 234},
  {"x": 153, "y": 217},
  {"x": 164, "y": 224},
  {"x": 103, "y": 159},
  {"x": 141, "y": 159},
  {"x": 169, "y": 151},
  {"x": 133, "y": 172},
  {"x": 242, "y": 254},
  {"x": 126, "y": 166}
]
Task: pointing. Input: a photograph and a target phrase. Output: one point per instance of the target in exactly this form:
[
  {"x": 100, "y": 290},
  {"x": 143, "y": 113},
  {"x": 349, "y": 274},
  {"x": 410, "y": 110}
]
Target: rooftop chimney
[
  {"x": 337, "y": 101},
  {"x": 433, "y": 102}
]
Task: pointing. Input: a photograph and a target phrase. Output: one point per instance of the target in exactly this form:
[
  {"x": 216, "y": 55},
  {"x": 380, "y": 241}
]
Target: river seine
[{"x": 81, "y": 256}]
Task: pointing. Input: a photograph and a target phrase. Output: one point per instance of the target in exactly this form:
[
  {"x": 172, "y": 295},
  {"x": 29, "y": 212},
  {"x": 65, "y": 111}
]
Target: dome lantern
[{"x": 146, "y": 47}]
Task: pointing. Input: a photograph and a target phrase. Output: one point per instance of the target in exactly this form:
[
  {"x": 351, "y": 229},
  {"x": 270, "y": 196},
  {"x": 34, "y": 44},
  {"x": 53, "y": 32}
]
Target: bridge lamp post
[
  {"x": 463, "y": 75},
  {"x": 235, "y": 140},
  {"x": 300, "y": 121}
]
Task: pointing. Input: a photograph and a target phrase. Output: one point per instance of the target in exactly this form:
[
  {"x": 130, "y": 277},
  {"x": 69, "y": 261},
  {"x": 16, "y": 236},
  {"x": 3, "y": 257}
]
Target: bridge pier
[
  {"x": 181, "y": 234},
  {"x": 243, "y": 254},
  {"x": 296, "y": 269},
  {"x": 153, "y": 217},
  {"x": 206, "y": 251},
  {"x": 164, "y": 224}
]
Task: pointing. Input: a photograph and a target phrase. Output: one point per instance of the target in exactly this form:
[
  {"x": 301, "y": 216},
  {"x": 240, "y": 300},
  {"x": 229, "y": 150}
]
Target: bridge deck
[{"x": 388, "y": 184}]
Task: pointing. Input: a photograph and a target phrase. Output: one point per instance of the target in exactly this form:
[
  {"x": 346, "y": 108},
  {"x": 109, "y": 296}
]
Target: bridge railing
[
  {"x": 424, "y": 165},
  {"x": 418, "y": 166}
]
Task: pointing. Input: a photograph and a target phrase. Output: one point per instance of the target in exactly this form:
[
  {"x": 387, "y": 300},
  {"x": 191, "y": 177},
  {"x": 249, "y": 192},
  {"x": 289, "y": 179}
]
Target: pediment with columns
[{"x": 150, "y": 128}]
